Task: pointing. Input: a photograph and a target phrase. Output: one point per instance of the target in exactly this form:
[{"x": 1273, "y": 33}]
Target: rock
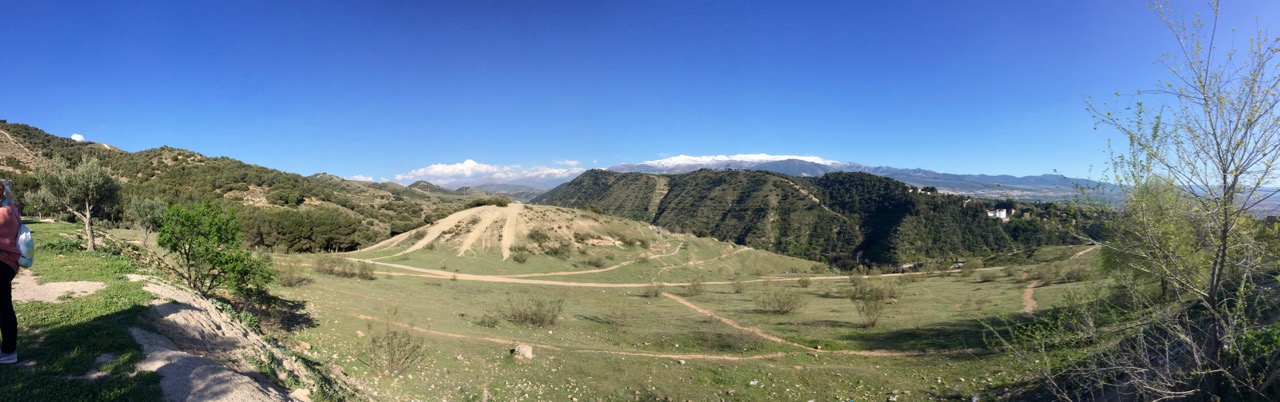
[
  {"x": 360, "y": 334},
  {"x": 681, "y": 362},
  {"x": 523, "y": 352}
]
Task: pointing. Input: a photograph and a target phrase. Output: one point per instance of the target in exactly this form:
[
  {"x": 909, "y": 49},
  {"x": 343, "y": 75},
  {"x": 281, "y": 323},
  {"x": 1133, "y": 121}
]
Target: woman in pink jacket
[{"x": 9, "y": 221}]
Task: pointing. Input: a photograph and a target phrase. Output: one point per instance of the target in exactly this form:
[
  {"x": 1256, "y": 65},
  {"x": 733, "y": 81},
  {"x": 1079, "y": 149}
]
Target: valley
[{"x": 614, "y": 340}]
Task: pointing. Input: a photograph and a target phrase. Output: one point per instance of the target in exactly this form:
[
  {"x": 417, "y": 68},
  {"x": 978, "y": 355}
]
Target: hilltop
[
  {"x": 841, "y": 218},
  {"x": 1037, "y": 187},
  {"x": 277, "y": 210}
]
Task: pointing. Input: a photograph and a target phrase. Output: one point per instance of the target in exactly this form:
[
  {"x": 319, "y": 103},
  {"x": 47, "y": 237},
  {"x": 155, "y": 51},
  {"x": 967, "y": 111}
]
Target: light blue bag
[{"x": 26, "y": 245}]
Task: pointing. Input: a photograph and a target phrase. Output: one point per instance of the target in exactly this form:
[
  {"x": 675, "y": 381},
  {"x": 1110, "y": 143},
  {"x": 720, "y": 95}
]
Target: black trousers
[{"x": 8, "y": 319}]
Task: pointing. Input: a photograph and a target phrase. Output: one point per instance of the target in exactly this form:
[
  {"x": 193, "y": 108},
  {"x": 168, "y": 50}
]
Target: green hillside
[
  {"x": 277, "y": 210},
  {"x": 842, "y": 218}
]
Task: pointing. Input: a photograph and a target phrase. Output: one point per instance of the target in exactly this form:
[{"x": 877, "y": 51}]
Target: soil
[{"x": 25, "y": 288}]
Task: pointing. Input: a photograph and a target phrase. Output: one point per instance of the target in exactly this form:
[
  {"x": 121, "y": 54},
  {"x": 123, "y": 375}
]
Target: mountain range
[{"x": 1046, "y": 186}]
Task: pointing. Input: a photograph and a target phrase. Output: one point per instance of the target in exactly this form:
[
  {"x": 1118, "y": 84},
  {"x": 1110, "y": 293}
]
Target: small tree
[
  {"x": 83, "y": 191},
  {"x": 206, "y": 240},
  {"x": 147, "y": 215}
]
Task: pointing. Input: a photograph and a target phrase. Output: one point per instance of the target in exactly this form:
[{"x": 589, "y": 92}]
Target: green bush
[
  {"x": 780, "y": 300},
  {"x": 536, "y": 312},
  {"x": 653, "y": 290},
  {"x": 695, "y": 287},
  {"x": 804, "y": 282},
  {"x": 988, "y": 276},
  {"x": 391, "y": 350}
]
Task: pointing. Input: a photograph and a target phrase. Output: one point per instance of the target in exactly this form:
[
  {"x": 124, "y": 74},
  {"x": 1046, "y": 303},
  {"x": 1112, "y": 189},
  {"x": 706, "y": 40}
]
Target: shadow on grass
[
  {"x": 54, "y": 358},
  {"x": 947, "y": 336}
]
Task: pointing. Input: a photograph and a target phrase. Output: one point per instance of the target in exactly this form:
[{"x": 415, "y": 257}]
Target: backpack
[{"x": 26, "y": 245}]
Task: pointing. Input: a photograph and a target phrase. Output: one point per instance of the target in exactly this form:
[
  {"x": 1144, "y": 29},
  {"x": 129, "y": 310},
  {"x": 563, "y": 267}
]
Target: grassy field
[
  {"x": 618, "y": 338},
  {"x": 58, "y": 343},
  {"x": 613, "y": 341}
]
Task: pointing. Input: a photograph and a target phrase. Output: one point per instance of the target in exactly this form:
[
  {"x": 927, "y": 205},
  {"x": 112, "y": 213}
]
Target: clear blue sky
[{"x": 382, "y": 88}]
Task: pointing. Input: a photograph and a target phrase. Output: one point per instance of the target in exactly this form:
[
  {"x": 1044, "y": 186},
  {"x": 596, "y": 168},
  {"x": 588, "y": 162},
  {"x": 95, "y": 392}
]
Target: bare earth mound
[{"x": 202, "y": 354}]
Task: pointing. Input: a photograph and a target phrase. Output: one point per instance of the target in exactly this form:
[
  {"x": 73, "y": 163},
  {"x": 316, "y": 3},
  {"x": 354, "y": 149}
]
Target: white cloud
[
  {"x": 568, "y": 162},
  {"x": 467, "y": 168},
  {"x": 360, "y": 177},
  {"x": 471, "y": 171},
  {"x": 77, "y": 137}
]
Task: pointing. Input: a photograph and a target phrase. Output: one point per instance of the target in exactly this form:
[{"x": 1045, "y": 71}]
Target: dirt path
[
  {"x": 1077, "y": 255},
  {"x": 25, "y": 288},
  {"x": 757, "y": 331},
  {"x": 675, "y": 356},
  {"x": 1028, "y": 298},
  {"x": 592, "y": 271},
  {"x": 693, "y": 262}
]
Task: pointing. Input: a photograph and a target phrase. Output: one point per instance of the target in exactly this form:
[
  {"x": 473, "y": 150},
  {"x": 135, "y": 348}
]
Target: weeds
[
  {"x": 695, "y": 287},
  {"x": 343, "y": 268},
  {"x": 290, "y": 275},
  {"x": 780, "y": 300},
  {"x": 653, "y": 290},
  {"x": 391, "y": 350},
  {"x": 536, "y": 312}
]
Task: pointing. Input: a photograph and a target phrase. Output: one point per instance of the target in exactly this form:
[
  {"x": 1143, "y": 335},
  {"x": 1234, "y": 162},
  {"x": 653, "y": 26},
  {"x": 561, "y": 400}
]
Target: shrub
[
  {"x": 1075, "y": 274},
  {"x": 538, "y": 236},
  {"x": 695, "y": 287},
  {"x": 595, "y": 262},
  {"x": 780, "y": 300},
  {"x": 343, "y": 268},
  {"x": 537, "y": 312},
  {"x": 968, "y": 270},
  {"x": 819, "y": 269},
  {"x": 520, "y": 256},
  {"x": 988, "y": 276},
  {"x": 738, "y": 286},
  {"x": 653, "y": 290},
  {"x": 870, "y": 300},
  {"x": 290, "y": 275},
  {"x": 391, "y": 350},
  {"x": 489, "y": 320},
  {"x": 804, "y": 282}
]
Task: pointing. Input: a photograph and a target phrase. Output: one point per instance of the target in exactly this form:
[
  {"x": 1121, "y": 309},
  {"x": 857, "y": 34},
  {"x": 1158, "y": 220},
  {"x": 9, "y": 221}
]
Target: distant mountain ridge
[
  {"x": 1047, "y": 186},
  {"x": 843, "y": 218}
]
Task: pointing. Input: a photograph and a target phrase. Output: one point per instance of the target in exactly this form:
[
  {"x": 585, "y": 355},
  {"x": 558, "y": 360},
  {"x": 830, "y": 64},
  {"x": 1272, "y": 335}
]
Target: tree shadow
[
  {"x": 54, "y": 361},
  {"x": 957, "y": 335}
]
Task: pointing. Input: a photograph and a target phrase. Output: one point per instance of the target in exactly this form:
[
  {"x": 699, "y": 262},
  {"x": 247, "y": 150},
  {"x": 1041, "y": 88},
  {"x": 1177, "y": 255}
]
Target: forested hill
[
  {"x": 842, "y": 218},
  {"x": 277, "y": 210}
]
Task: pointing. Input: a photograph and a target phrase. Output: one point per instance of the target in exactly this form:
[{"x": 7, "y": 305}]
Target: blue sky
[{"x": 386, "y": 89}]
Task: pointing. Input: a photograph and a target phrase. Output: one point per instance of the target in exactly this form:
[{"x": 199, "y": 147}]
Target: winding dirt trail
[
  {"x": 1077, "y": 255},
  {"x": 593, "y": 271},
  {"x": 1028, "y": 298},
  {"x": 757, "y": 331}
]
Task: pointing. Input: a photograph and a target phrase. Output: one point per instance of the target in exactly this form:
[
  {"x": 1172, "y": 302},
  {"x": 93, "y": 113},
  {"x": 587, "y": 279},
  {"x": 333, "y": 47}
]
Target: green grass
[
  {"x": 59, "y": 342},
  {"x": 942, "y": 315}
]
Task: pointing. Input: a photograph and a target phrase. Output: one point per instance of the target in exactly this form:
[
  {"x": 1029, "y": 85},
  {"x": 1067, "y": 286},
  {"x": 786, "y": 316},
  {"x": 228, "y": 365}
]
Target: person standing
[{"x": 10, "y": 219}]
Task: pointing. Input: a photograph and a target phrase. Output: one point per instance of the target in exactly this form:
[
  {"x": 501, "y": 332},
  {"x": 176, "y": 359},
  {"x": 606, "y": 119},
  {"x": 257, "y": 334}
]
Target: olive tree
[
  {"x": 147, "y": 214},
  {"x": 84, "y": 191}
]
